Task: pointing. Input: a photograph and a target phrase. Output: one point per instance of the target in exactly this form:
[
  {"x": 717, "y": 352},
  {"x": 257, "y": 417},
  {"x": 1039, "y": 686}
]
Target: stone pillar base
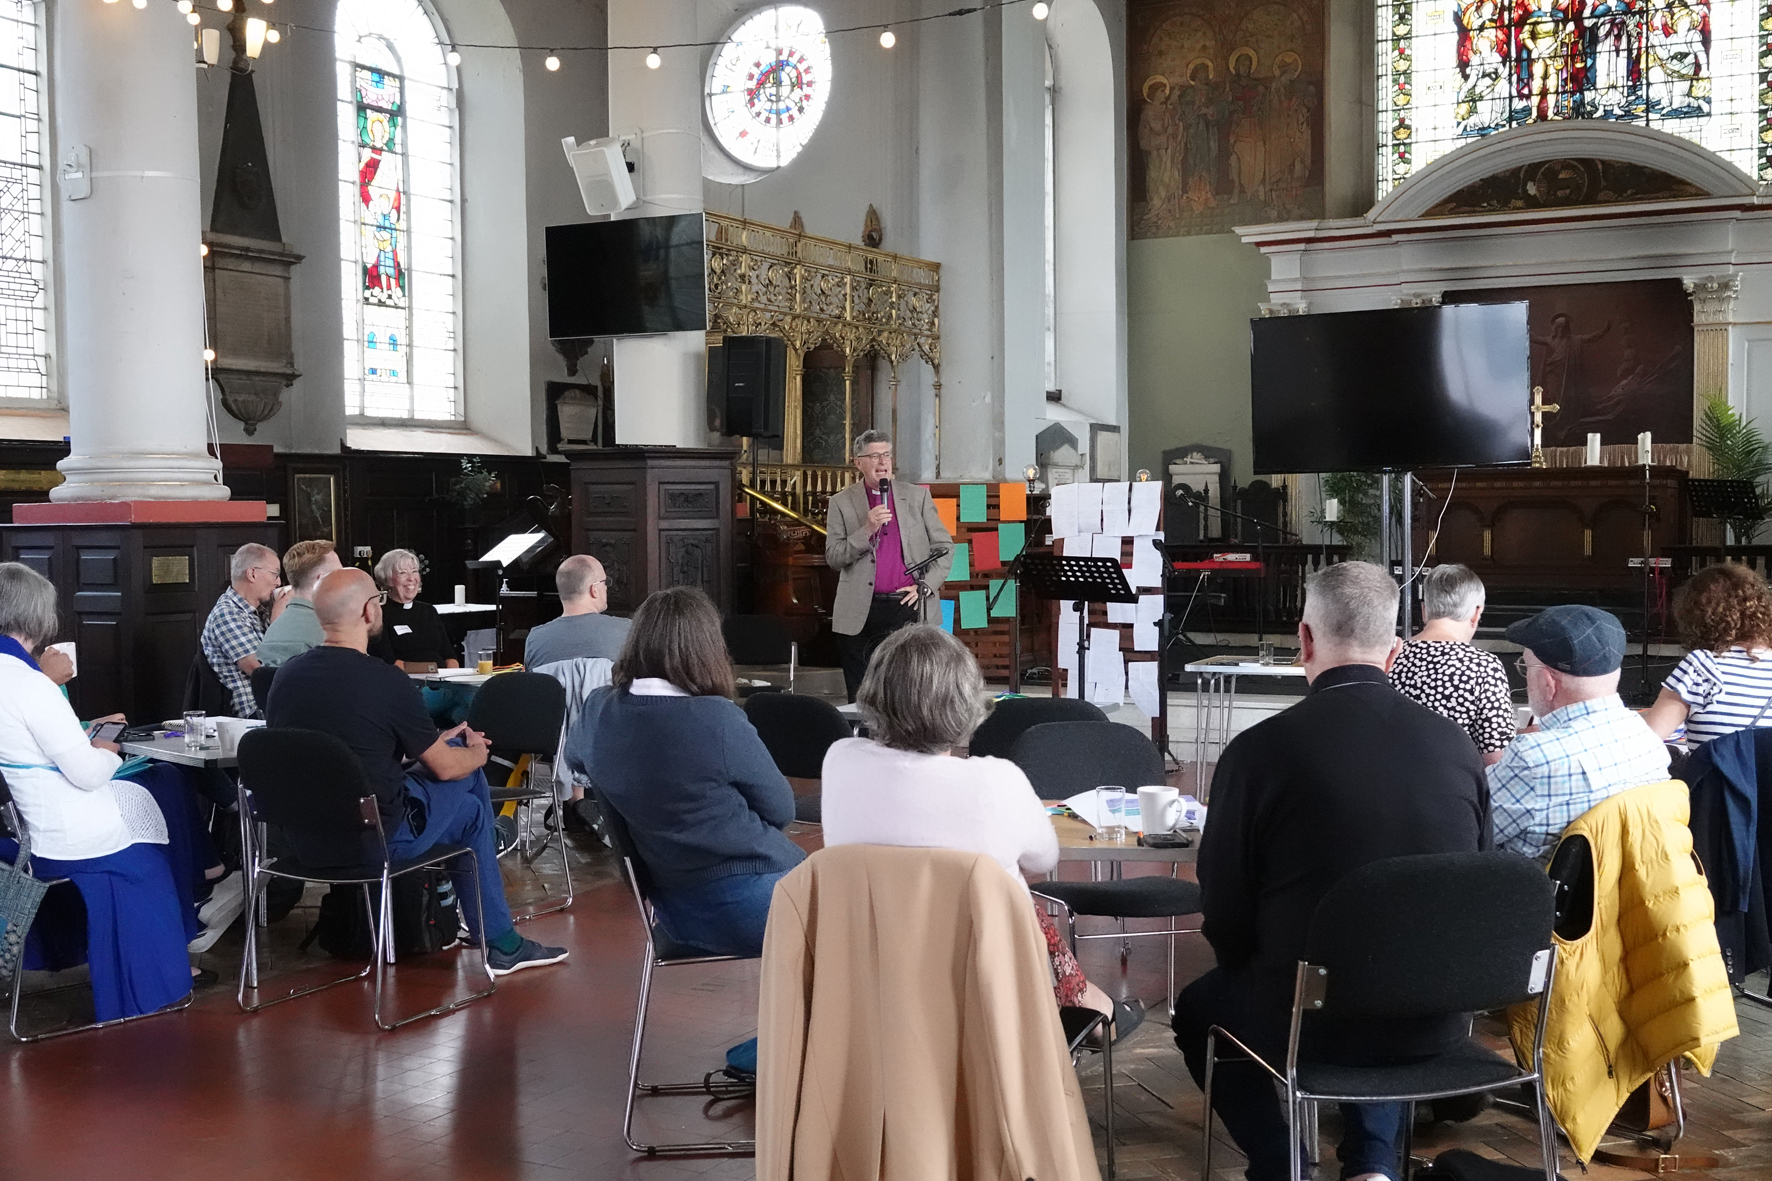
[{"x": 140, "y": 512}]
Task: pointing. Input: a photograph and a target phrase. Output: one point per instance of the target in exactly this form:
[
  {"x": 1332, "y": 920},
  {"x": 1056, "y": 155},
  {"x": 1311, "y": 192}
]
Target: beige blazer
[
  {"x": 906, "y": 1026},
  {"x": 849, "y": 549}
]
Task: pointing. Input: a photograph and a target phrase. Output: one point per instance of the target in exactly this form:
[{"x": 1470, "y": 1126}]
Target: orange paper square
[
  {"x": 949, "y": 512},
  {"x": 1012, "y": 502}
]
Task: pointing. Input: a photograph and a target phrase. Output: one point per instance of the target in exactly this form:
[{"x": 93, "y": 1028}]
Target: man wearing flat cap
[{"x": 1588, "y": 746}]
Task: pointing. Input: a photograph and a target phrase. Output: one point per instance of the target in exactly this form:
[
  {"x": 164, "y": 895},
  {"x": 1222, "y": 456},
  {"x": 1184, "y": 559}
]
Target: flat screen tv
[
  {"x": 1391, "y": 390},
  {"x": 628, "y": 277}
]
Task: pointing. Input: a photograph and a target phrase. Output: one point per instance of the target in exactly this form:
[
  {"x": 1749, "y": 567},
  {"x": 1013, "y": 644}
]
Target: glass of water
[
  {"x": 195, "y": 720},
  {"x": 1110, "y": 807},
  {"x": 1264, "y": 652}
]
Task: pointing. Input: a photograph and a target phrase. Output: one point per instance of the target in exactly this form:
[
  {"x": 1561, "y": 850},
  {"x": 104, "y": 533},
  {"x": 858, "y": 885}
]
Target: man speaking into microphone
[{"x": 892, "y": 552}]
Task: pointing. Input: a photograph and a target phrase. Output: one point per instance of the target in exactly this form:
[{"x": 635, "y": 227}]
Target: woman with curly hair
[{"x": 1725, "y": 681}]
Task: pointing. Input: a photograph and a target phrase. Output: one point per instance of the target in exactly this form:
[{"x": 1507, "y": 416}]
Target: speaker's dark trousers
[{"x": 885, "y": 615}]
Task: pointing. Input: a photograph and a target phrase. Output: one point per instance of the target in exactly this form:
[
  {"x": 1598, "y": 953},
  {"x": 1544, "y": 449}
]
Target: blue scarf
[{"x": 11, "y": 647}]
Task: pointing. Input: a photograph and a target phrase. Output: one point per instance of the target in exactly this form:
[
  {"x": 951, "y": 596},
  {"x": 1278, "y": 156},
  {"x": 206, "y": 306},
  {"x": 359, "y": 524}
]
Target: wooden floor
[{"x": 529, "y": 1083}]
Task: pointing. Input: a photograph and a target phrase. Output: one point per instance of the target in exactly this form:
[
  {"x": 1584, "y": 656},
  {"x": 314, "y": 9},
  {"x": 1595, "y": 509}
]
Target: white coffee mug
[
  {"x": 229, "y": 731},
  {"x": 1159, "y": 808}
]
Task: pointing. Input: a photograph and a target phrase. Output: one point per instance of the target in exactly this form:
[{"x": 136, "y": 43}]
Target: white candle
[
  {"x": 1643, "y": 449},
  {"x": 461, "y": 593},
  {"x": 1331, "y": 510},
  {"x": 1593, "y": 449}
]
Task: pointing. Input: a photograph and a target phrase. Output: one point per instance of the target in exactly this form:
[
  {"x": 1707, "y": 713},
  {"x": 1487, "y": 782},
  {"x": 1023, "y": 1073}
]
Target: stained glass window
[
  {"x": 1451, "y": 71},
  {"x": 24, "y": 302},
  {"x": 768, "y": 85},
  {"x": 397, "y": 208}
]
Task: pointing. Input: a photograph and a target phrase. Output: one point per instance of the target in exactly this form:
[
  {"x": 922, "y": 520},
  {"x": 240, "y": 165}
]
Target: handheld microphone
[{"x": 885, "y": 487}]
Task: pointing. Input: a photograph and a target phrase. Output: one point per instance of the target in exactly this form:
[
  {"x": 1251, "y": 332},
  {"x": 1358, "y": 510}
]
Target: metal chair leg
[
  {"x": 1547, "y": 1133},
  {"x": 1206, "y": 1115},
  {"x": 388, "y": 936},
  {"x": 249, "y": 965},
  {"x": 1107, "y": 1093}
]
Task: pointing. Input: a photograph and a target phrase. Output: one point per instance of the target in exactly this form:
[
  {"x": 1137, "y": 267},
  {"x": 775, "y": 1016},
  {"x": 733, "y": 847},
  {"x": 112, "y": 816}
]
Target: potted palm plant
[{"x": 1738, "y": 451}]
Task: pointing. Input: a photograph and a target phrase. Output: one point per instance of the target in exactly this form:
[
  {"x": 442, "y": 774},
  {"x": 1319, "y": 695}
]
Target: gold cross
[{"x": 1539, "y": 410}]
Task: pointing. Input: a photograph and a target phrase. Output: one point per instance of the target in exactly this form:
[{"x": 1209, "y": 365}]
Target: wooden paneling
[{"x": 656, "y": 517}]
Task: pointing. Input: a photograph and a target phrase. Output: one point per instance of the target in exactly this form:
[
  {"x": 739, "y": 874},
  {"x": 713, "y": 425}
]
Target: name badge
[{"x": 400, "y": 629}]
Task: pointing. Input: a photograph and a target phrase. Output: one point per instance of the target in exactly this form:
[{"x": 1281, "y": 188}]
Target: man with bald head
[
  {"x": 582, "y": 630},
  {"x": 429, "y": 786}
]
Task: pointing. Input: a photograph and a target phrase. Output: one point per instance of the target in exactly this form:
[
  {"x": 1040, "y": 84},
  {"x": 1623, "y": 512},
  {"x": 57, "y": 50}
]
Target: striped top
[{"x": 1723, "y": 692}]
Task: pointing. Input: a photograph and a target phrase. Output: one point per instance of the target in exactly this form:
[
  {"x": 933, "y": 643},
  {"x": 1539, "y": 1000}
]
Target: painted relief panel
[{"x": 1225, "y": 114}]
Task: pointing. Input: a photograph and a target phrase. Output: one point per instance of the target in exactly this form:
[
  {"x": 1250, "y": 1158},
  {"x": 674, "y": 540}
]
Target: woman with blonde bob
[{"x": 1725, "y": 682}]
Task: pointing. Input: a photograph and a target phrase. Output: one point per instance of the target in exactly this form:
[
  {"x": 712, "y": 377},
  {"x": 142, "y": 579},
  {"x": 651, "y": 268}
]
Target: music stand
[
  {"x": 1724, "y": 500},
  {"x": 1086, "y": 580}
]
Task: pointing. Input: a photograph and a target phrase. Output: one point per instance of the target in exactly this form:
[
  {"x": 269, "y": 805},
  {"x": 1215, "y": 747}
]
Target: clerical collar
[{"x": 1350, "y": 674}]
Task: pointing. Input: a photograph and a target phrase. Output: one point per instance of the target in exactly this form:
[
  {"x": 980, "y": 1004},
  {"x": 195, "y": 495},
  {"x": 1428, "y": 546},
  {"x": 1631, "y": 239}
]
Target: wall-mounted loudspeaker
[
  {"x": 747, "y": 386},
  {"x": 603, "y": 173}
]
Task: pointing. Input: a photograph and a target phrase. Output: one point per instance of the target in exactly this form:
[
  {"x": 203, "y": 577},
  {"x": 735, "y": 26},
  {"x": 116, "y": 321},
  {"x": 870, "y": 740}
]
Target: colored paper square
[
  {"x": 984, "y": 552},
  {"x": 973, "y": 500},
  {"x": 947, "y": 615},
  {"x": 1012, "y": 502},
  {"x": 1011, "y": 536},
  {"x": 961, "y": 570},
  {"x": 1005, "y": 601},
  {"x": 948, "y": 509},
  {"x": 973, "y": 609}
]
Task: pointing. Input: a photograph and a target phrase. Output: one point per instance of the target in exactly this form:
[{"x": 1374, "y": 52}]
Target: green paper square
[
  {"x": 1011, "y": 536},
  {"x": 961, "y": 570},
  {"x": 972, "y": 502},
  {"x": 1005, "y": 603},
  {"x": 973, "y": 610}
]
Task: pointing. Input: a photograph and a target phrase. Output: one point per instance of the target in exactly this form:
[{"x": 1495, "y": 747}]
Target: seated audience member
[
  {"x": 412, "y": 631},
  {"x": 679, "y": 762},
  {"x": 430, "y": 789},
  {"x": 922, "y": 696},
  {"x": 1588, "y": 745},
  {"x": 1354, "y": 773},
  {"x": 294, "y": 629},
  {"x": 104, "y": 834},
  {"x": 232, "y": 633},
  {"x": 1441, "y": 669},
  {"x": 583, "y": 630},
  {"x": 1725, "y": 681}
]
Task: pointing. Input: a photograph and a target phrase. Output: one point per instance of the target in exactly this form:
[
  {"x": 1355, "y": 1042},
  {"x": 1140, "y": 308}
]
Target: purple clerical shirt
[{"x": 889, "y": 571}]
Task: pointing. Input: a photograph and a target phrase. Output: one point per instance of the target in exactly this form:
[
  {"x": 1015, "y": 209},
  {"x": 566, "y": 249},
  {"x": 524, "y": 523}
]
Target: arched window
[
  {"x": 24, "y": 303},
  {"x": 397, "y": 184}
]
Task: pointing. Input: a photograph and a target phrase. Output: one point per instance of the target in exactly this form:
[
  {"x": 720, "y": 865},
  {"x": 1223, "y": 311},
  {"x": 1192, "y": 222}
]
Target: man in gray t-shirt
[{"x": 582, "y": 630}]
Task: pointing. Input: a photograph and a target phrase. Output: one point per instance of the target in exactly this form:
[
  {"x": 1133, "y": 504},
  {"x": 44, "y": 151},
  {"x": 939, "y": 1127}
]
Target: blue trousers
[
  {"x": 725, "y": 916},
  {"x": 1243, "y": 1094},
  {"x": 457, "y": 812}
]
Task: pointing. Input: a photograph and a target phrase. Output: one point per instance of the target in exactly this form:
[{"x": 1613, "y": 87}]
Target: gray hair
[
  {"x": 1352, "y": 605},
  {"x": 574, "y": 576},
  {"x": 1451, "y": 591},
  {"x": 866, "y": 437},
  {"x": 27, "y": 604},
  {"x": 922, "y": 692},
  {"x": 248, "y": 556},
  {"x": 391, "y": 562}
]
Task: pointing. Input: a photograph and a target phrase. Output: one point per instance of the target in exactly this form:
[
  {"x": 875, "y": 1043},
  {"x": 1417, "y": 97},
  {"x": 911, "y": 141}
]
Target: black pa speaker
[{"x": 747, "y": 386}]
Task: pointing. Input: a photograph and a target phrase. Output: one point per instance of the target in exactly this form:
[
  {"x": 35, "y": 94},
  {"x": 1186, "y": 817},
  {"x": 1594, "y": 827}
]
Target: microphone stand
[
  {"x": 1199, "y": 502},
  {"x": 1013, "y": 575}
]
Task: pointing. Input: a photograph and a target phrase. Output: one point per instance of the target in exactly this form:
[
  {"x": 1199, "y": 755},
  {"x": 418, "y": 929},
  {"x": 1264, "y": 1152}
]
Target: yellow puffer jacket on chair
[{"x": 1646, "y": 983}]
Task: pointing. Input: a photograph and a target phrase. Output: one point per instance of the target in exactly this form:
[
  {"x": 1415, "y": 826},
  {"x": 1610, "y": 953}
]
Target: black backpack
[{"x": 426, "y": 917}]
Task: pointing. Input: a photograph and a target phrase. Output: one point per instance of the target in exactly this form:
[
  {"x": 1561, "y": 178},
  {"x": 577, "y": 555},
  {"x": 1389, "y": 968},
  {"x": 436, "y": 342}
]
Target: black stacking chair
[
  {"x": 760, "y": 639},
  {"x": 522, "y": 714},
  {"x": 797, "y": 730},
  {"x": 312, "y": 786},
  {"x": 1014, "y": 716},
  {"x": 661, "y": 952},
  {"x": 14, "y": 824},
  {"x": 1064, "y": 758},
  {"x": 261, "y": 679},
  {"x": 1412, "y": 937},
  {"x": 204, "y": 690}
]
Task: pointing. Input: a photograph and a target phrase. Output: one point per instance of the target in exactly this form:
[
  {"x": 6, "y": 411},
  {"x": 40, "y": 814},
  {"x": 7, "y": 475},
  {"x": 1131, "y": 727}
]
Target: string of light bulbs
[{"x": 266, "y": 31}]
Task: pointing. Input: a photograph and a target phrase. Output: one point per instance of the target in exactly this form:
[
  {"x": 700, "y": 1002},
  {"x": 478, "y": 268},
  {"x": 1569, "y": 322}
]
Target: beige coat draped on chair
[{"x": 907, "y": 1030}]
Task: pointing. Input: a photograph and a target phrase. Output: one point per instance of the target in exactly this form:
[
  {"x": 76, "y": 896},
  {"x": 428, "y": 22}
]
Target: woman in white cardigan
[
  {"x": 106, "y": 834},
  {"x": 922, "y": 696}
]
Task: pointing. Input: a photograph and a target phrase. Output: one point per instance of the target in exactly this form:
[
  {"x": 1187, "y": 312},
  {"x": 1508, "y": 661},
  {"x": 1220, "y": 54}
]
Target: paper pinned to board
[
  {"x": 1107, "y": 545},
  {"x": 1122, "y": 612},
  {"x": 1116, "y": 511},
  {"x": 974, "y": 501},
  {"x": 1141, "y": 679},
  {"x": 1147, "y": 506},
  {"x": 1063, "y": 510},
  {"x": 1067, "y": 633},
  {"x": 1088, "y": 508},
  {"x": 1111, "y": 692},
  {"x": 1146, "y": 622},
  {"x": 1147, "y": 560},
  {"x": 1104, "y": 660}
]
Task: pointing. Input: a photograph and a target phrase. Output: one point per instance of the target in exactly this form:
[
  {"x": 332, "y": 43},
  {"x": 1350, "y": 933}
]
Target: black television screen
[
  {"x": 1395, "y": 389},
  {"x": 628, "y": 277}
]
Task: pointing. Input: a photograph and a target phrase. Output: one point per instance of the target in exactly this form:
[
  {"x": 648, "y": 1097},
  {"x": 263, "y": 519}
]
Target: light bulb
[
  {"x": 453, "y": 58},
  {"x": 255, "y": 36},
  {"x": 184, "y": 5},
  {"x": 208, "y": 356},
  {"x": 225, "y": 5},
  {"x": 553, "y": 63},
  {"x": 139, "y": 3},
  {"x": 1041, "y": 10},
  {"x": 110, "y": 1},
  {"x": 192, "y": 18},
  {"x": 1144, "y": 475},
  {"x": 888, "y": 39},
  {"x": 653, "y": 61},
  {"x": 203, "y": 249},
  {"x": 273, "y": 36}
]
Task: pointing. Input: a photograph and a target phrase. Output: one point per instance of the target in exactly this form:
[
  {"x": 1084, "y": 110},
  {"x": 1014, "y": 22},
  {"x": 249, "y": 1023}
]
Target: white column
[
  {"x": 660, "y": 390},
  {"x": 130, "y": 268}
]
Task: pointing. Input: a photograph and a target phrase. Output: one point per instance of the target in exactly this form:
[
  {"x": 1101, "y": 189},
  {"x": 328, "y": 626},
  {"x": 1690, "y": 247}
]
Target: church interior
[{"x": 1106, "y": 366}]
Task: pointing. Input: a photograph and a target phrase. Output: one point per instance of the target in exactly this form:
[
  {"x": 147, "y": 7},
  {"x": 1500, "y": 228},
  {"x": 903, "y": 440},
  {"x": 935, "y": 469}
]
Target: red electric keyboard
[{"x": 1238, "y": 567}]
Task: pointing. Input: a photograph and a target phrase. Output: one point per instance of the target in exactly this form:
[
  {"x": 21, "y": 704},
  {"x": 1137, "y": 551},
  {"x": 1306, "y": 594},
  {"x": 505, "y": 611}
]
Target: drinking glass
[
  {"x": 483, "y": 666},
  {"x": 1110, "y": 807},
  {"x": 195, "y": 720},
  {"x": 1264, "y": 652}
]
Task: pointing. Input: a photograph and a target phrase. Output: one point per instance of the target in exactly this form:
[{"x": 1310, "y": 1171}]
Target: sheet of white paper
[
  {"x": 1107, "y": 545},
  {"x": 1067, "y": 634},
  {"x": 1088, "y": 508},
  {"x": 1064, "y": 510},
  {"x": 1148, "y": 614},
  {"x": 1071, "y": 682},
  {"x": 1111, "y": 692},
  {"x": 1122, "y": 612},
  {"x": 66, "y": 648},
  {"x": 1085, "y": 805},
  {"x": 1147, "y": 503},
  {"x": 1115, "y": 510},
  {"x": 1142, "y": 680},
  {"x": 1147, "y": 561},
  {"x": 1104, "y": 662}
]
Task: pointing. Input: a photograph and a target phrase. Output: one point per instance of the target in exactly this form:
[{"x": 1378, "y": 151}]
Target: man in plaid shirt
[
  {"x": 1588, "y": 746},
  {"x": 232, "y": 633}
]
